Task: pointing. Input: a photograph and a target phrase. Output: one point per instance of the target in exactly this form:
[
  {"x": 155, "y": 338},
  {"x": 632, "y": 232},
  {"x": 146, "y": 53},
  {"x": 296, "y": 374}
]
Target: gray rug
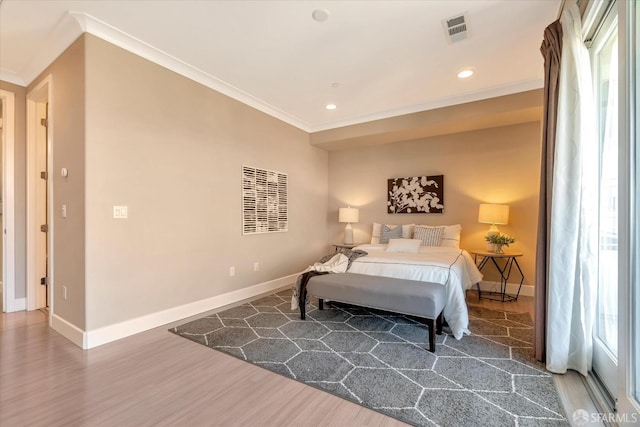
[{"x": 378, "y": 359}]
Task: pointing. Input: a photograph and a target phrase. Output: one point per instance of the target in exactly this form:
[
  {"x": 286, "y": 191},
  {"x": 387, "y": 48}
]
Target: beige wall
[
  {"x": 20, "y": 184},
  {"x": 67, "y": 121},
  {"x": 498, "y": 165},
  {"x": 1, "y": 216},
  {"x": 172, "y": 150}
]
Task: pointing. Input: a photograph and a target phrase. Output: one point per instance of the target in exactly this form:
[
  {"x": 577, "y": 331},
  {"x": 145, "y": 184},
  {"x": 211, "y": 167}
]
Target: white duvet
[{"x": 452, "y": 267}]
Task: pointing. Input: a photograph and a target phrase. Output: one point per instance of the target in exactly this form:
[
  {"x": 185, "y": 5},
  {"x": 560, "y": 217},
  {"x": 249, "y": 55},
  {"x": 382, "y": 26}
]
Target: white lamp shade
[
  {"x": 351, "y": 215},
  {"x": 493, "y": 214}
]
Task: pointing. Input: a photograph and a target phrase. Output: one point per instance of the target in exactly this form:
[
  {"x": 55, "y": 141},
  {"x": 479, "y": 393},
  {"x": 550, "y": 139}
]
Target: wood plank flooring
[
  {"x": 151, "y": 379},
  {"x": 157, "y": 378}
]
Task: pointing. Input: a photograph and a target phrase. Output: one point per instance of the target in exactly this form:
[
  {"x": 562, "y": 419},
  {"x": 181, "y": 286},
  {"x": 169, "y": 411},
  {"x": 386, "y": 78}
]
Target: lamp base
[
  {"x": 493, "y": 231},
  {"x": 348, "y": 234}
]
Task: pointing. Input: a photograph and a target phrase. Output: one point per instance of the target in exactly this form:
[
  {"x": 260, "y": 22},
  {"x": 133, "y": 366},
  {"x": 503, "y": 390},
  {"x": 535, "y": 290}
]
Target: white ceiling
[{"x": 373, "y": 59}]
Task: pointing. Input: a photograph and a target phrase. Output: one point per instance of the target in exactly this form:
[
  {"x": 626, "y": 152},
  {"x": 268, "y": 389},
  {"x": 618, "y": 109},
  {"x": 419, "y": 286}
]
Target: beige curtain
[{"x": 551, "y": 49}]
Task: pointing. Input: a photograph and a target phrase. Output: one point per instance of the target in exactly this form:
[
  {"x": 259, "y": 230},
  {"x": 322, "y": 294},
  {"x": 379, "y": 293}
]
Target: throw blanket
[{"x": 333, "y": 263}]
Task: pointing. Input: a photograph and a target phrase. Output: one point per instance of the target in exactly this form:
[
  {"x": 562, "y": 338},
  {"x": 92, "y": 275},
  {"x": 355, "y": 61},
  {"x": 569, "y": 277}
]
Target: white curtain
[{"x": 574, "y": 210}]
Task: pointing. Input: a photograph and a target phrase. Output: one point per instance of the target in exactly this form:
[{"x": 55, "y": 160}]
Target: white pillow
[
  {"x": 407, "y": 232},
  {"x": 404, "y": 245},
  {"x": 429, "y": 236},
  {"x": 451, "y": 236}
]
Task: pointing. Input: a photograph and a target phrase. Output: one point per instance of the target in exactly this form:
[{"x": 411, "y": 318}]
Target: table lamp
[
  {"x": 494, "y": 215},
  {"x": 348, "y": 215}
]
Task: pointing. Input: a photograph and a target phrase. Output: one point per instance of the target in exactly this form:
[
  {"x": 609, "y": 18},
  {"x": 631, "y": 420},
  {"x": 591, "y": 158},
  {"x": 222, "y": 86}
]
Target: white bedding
[{"x": 451, "y": 267}]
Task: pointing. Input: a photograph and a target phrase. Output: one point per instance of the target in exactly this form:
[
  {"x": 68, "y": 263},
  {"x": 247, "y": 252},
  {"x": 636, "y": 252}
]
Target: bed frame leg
[
  {"x": 432, "y": 335},
  {"x": 439, "y": 324},
  {"x": 320, "y": 304}
]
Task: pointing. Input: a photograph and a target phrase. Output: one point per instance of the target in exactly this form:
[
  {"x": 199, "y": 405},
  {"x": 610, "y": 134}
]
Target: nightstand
[
  {"x": 342, "y": 246},
  {"x": 481, "y": 257}
]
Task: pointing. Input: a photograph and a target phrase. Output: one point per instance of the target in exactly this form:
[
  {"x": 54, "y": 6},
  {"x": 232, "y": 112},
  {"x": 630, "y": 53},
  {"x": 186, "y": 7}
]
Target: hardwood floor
[
  {"x": 153, "y": 378},
  {"x": 157, "y": 378},
  {"x": 524, "y": 304}
]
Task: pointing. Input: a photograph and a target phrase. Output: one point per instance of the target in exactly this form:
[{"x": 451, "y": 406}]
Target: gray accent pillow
[
  {"x": 430, "y": 236},
  {"x": 387, "y": 233}
]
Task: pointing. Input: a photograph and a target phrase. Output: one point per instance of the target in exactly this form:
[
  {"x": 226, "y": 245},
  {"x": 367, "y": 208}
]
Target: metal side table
[{"x": 481, "y": 258}]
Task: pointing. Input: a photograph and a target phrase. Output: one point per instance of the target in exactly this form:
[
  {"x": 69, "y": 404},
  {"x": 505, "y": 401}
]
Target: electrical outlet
[
  {"x": 256, "y": 266},
  {"x": 64, "y": 293},
  {"x": 120, "y": 212},
  {"x": 232, "y": 271}
]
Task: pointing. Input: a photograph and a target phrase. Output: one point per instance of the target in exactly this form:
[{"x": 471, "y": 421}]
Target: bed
[
  {"x": 434, "y": 256},
  {"x": 446, "y": 264},
  {"x": 451, "y": 267}
]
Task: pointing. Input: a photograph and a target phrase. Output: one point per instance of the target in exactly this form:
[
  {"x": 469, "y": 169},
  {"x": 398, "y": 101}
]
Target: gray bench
[{"x": 422, "y": 299}]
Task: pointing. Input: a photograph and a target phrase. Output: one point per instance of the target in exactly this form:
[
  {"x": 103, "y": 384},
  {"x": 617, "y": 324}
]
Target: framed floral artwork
[{"x": 418, "y": 194}]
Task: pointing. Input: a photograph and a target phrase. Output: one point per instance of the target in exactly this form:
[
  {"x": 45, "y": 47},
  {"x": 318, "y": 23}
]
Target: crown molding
[
  {"x": 73, "y": 24},
  {"x": 439, "y": 103},
  {"x": 64, "y": 33},
  {"x": 113, "y": 35},
  {"x": 12, "y": 77}
]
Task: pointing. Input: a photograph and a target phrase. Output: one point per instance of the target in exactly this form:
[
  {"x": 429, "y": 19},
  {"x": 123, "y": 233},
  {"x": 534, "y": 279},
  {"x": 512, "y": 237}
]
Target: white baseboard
[
  {"x": 116, "y": 331},
  {"x": 69, "y": 331},
  {"x": 106, "y": 334},
  {"x": 512, "y": 288}
]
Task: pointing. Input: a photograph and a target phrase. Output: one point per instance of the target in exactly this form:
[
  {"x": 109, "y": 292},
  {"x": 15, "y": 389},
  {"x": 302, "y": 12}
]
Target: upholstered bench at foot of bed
[{"x": 422, "y": 299}]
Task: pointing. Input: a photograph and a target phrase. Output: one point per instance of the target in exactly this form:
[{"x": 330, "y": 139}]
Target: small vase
[{"x": 499, "y": 249}]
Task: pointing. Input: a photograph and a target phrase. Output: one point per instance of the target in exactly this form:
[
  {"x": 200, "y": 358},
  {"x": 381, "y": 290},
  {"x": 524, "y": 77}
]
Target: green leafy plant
[{"x": 500, "y": 239}]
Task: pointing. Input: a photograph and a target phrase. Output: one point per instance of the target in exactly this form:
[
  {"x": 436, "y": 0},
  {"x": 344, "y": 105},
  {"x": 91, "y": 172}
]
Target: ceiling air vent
[{"x": 456, "y": 28}]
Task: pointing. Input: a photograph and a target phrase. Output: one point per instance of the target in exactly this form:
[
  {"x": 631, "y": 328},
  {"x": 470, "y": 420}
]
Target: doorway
[
  {"x": 8, "y": 276},
  {"x": 39, "y": 231},
  {"x": 1, "y": 199}
]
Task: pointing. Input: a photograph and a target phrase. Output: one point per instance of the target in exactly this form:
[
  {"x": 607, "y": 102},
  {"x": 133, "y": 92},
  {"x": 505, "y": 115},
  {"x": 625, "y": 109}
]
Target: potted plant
[{"x": 499, "y": 240}]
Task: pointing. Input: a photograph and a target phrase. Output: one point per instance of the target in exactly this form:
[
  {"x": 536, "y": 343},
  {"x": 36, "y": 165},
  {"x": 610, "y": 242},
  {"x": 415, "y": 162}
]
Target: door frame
[
  {"x": 8, "y": 203},
  {"x": 629, "y": 204},
  {"x": 604, "y": 363},
  {"x": 43, "y": 92}
]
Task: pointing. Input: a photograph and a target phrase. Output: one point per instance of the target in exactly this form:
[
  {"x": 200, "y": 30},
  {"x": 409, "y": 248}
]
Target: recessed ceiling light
[
  {"x": 320, "y": 15},
  {"x": 330, "y": 106},
  {"x": 465, "y": 73}
]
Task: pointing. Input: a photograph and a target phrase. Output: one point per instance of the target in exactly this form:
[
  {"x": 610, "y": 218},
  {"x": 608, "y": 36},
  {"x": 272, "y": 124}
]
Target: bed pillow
[
  {"x": 451, "y": 236},
  {"x": 375, "y": 233},
  {"x": 404, "y": 245},
  {"x": 429, "y": 236},
  {"x": 407, "y": 232},
  {"x": 387, "y": 233}
]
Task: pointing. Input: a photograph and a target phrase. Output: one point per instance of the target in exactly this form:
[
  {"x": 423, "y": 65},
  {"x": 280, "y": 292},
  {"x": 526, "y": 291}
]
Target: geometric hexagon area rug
[{"x": 379, "y": 360}]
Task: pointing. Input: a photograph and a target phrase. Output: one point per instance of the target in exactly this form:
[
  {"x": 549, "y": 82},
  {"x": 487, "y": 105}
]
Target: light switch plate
[{"x": 120, "y": 212}]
